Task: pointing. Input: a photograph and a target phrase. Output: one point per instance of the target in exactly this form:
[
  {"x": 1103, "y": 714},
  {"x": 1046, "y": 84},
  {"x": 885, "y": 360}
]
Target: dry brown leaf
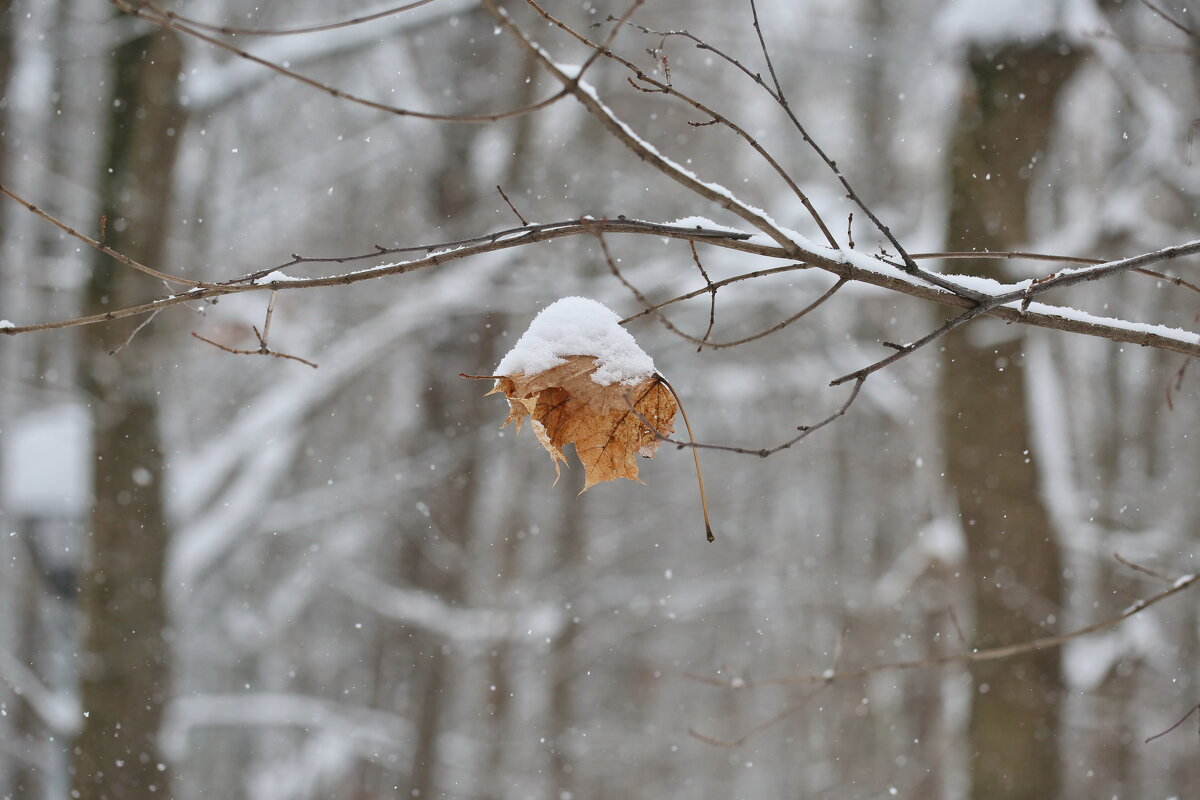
[{"x": 566, "y": 406}]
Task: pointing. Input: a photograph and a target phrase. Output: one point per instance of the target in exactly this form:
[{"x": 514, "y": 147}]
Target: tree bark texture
[
  {"x": 125, "y": 660},
  {"x": 1007, "y": 112}
]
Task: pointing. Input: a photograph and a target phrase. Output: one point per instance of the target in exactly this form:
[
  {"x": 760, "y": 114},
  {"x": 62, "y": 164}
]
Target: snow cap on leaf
[{"x": 577, "y": 326}]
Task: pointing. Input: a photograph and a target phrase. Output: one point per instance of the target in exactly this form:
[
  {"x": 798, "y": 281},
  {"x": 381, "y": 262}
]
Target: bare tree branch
[
  {"x": 1182, "y": 720},
  {"x": 501, "y": 241},
  {"x": 973, "y": 656},
  {"x": 95, "y": 244},
  {"x": 135, "y": 332},
  {"x": 909, "y": 266},
  {"x": 524, "y": 222},
  {"x": 328, "y": 26},
  {"x": 1065, "y": 278},
  {"x": 642, "y": 149},
  {"x": 704, "y": 341},
  {"x": 1171, "y": 20},
  {"x": 162, "y": 19},
  {"x": 263, "y": 350},
  {"x": 1023, "y": 255},
  {"x": 712, "y": 306},
  {"x": 762, "y": 452},
  {"x": 716, "y": 117}
]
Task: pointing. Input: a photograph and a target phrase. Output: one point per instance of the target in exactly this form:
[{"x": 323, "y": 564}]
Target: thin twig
[
  {"x": 1182, "y": 720},
  {"x": 759, "y": 273},
  {"x": 760, "y": 727},
  {"x": 704, "y": 341},
  {"x": 1175, "y": 385},
  {"x": 815, "y": 304},
  {"x": 262, "y": 351},
  {"x": 706, "y": 46},
  {"x": 1142, "y": 569},
  {"x": 708, "y": 531},
  {"x": 266, "y": 331},
  {"x": 612, "y": 267},
  {"x": 902, "y": 351},
  {"x": 524, "y": 221},
  {"x": 805, "y": 432},
  {"x": 838, "y": 651},
  {"x": 701, "y": 343},
  {"x": 989, "y": 255},
  {"x": 135, "y": 332},
  {"x": 712, "y": 307}
]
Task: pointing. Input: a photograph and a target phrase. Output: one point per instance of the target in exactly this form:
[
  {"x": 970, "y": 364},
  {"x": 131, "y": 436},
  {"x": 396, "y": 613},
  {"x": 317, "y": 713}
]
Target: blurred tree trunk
[
  {"x": 1006, "y": 114},
  {"x": 125, "y": 662}
]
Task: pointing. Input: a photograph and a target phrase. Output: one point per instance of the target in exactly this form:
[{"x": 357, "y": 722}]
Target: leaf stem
[{"x": 708, "y": 531}]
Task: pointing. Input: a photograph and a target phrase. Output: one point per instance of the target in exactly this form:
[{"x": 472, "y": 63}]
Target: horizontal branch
[
  {"x": 670, "y": 230},
  {"x": 1024, "y": 295},
  {"x": 885, "y": 278},
  {"x": 518, "y": 237}
]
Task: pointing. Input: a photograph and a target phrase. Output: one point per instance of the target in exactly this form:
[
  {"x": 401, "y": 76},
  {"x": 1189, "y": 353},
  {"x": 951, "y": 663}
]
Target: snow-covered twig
[{"x": 1023, "y": 295}]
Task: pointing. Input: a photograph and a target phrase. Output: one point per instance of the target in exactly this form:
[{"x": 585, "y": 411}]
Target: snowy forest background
[{"x": 237, "y": 576}]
